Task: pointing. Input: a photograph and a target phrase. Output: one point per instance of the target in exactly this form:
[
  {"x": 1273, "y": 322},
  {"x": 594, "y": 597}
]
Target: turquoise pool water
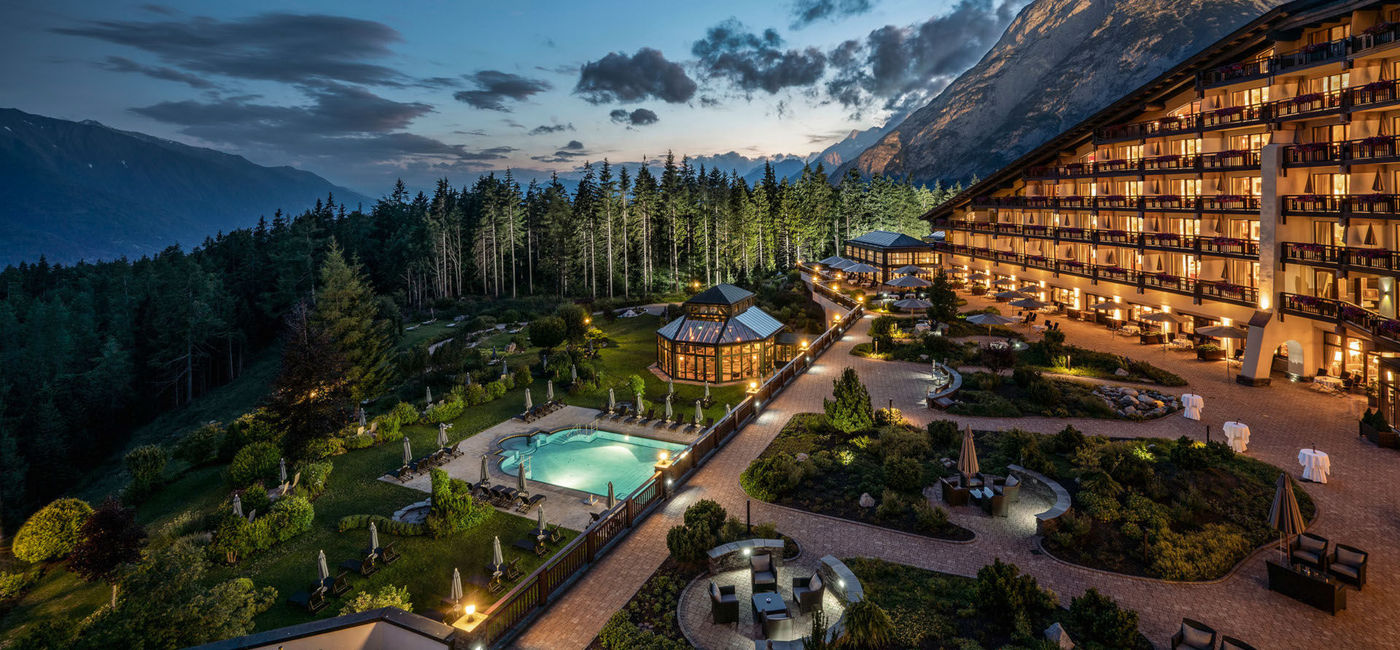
[{"x": 585, "y": 459}]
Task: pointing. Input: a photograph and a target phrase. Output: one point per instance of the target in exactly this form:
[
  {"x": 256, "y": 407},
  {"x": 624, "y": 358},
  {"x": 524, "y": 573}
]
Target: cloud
[
  {"x": 286, "y": 47},
  {"x": 756, "y": 61},
  {"x": 551, "y": 128},
  {"x": 574, "y": 145},
  {"x": 905, "y": 66},
  {"x": 806, "y": 12},
  {"x": 495, "y": 87},
  {"x": 639, "y": 117},
  {"x": 567, "y": 153},
  {"x": 122, "y": 64},
  {"x": 646, "y": 74}
]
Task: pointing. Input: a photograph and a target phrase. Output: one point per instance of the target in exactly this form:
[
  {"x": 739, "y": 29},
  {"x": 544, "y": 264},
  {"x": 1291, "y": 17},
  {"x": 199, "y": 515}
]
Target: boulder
[
  {"x": 1121, "y": 372},
  {"x": 867, "y": 501},
  {"x": 801, "y": 457}
]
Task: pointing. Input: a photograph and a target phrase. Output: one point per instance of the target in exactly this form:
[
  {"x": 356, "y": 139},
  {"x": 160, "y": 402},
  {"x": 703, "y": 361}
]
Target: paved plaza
[{"x": 1354, "y": 507}]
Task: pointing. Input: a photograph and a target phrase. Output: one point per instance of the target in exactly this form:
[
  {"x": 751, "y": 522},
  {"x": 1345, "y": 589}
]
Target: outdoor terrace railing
[
  {"x": 1372, "y": 259},
  {"x": 1342, "y": 313},
  {"x": 1377, "y": 206},
  {"x": 507, "y": 616},
  {"x": 1380, "y": 148}
]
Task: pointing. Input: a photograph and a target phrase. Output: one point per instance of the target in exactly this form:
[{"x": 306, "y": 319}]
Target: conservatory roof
[
  {"x": 751, "y": 325},
  {"x": 887, "y": 239}
]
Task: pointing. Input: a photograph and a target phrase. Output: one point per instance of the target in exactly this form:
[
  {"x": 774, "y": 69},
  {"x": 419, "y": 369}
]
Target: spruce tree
[
  {"x": 850, "y": 409},
  {"x": 347, "y": 314}
]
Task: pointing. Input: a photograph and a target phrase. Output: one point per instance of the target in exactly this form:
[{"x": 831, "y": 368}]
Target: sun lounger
[
  {"x": 387, "y": 554},
  {"x": 365, "y": 567},
  {"x": 403, "y": 474},
  {"x": 337, "y": 584},
  {"x": 312, "y": 601},
  {"x": 513, "y": 570},
  {"x": 529, "y": 504}
]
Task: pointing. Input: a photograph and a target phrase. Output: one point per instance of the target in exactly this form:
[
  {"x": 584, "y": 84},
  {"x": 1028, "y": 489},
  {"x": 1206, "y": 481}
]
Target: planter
[
  {"x": 1210, "y": 355},
  {"x": 1388, "y": 439}
]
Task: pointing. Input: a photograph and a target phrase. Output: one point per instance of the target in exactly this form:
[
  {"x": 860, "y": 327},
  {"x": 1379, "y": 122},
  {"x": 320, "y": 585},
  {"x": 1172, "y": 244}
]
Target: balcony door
[{"x": 1324, "y": 284}]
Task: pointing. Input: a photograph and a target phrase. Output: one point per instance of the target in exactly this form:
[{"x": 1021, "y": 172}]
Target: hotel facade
[{"x": 1256, "y": 184}]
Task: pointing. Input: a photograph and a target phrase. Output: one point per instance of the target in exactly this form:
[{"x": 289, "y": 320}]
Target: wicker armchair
[
  {"x": 1309, "y": 550},
  {"x": 1194, "y": 635},
  {"x": 762, "y": 574},
  {"x": 808, "y": 592},
  {"x": 724, "y": 605},
  {"x": 1348, "y": 565}
]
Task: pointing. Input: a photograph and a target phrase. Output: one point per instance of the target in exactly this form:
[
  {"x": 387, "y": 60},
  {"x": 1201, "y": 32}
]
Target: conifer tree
[{"x": 347, "y": 314}]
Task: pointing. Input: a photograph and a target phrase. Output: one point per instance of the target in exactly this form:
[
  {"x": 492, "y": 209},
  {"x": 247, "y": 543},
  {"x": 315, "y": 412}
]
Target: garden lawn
[{"x": 631, "y": 351}]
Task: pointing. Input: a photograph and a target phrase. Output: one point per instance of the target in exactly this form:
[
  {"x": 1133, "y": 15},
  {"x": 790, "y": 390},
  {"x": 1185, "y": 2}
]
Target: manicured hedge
[
  {"x": 382, "y": 524},
  {"x": 237, "y": 538}
]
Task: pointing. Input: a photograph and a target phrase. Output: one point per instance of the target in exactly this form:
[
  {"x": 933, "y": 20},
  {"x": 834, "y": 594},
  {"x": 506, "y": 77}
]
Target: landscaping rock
[
  {"x": 1121, "y": 372},
  {"x": 867, "y": 501},
  {"x": 800, "y": 457}
]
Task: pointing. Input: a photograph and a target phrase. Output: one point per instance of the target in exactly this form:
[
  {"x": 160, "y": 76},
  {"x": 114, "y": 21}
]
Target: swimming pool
[{"x": 586, "y": 459}]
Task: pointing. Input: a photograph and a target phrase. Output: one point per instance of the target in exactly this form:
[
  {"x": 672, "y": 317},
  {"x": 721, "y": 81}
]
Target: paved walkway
[{"x": 1357, "y": 508}]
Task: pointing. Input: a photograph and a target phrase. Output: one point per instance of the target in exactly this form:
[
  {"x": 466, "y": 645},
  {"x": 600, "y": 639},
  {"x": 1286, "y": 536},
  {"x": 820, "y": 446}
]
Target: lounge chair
[
  {"x": 495, "y": 584},
  {"x": 709, "y": 422},
  {"x": 777, "y": 627},
  {"x": 1194, "y": 635},
  {"x": 1348, "y": 565},
  {"x": 763, "y": 576},
  {"x": 513, "y": 569},
  {"x": 724, "y": 604},
  {"x": 337, "y": 584},
  {"x": 365, "y": 567},
  {"x": 1228, "y": 642},
  {"x": 1309, "y": 550},
  {"x": 455, "y": 450},
  {"x": 527, "y": 505},
  {"x": 808, "y": 592},
  {"x": 403, "y": 473},
  {"x": 387, "y": 554},
  {"x": 651, "y": 413},
  {"x": 555, "y": 535},
  {"x": 312, "y": 601}
]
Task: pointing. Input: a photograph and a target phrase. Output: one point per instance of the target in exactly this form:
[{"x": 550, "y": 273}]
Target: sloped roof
[
  {"x": 752, "y": 325},
  {"x": 759, "y": 322},
  {"x": 720, "y": 294},
  {"x": 887, "y": 239}
]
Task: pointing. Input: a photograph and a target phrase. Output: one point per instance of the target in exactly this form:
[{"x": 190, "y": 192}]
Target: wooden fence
[{"x": 509, "y": 615}]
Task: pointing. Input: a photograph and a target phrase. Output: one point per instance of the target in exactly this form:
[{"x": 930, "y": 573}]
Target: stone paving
[
  {"x": 694, "y": 607},
  {"x": 1355, "y": 507}
]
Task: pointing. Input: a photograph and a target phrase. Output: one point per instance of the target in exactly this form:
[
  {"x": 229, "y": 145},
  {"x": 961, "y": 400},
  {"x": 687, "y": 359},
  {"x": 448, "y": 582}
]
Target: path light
[{"x": 664, "y": 456}]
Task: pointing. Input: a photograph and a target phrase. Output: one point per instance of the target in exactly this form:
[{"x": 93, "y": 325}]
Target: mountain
[
  {"x": 852, "y": 145},
  {"x": 1058, "y": 62},
  {"x": 81, "y": 190}
]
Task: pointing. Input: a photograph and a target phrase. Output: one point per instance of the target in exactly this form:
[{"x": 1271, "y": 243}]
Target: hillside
[
  {"x": 81, "y": 190},
  {"x": 1058, "y": 62}
]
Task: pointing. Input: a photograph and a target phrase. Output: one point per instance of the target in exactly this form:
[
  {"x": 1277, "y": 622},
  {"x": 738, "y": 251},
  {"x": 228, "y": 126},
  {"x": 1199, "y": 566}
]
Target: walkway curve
[{"x": 1283, "y": 418}]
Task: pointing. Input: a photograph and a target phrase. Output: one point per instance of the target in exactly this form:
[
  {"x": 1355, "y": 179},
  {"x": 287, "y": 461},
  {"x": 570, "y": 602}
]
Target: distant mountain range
[
  {"x": 1058, "y": 62},
  {"x": 80, "y": 190}
]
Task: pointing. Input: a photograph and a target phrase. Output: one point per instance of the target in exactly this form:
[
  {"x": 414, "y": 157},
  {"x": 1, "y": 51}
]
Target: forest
[{"x": 89, "y": 352}]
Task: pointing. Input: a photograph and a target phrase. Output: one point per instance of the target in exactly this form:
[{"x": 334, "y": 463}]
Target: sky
[{"x": 366, "y": 92}]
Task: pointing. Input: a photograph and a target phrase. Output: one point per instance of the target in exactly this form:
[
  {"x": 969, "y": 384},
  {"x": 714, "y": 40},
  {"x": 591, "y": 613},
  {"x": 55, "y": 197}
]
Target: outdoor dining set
[
  {"x": 771, "y": 611},
  {"x": 970, "y": 486},
  {"x": 371, "y": 559}
]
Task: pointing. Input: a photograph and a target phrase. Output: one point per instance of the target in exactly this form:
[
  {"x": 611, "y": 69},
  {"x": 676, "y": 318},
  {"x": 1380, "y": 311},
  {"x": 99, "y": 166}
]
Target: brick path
[{"x": 1356, "y": 508}]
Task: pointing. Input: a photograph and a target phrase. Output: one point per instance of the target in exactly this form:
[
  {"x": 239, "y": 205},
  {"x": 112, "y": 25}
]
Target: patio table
[
  {"x": 1237, "y": 435},
  {"x": 1316, "y": 465},
  {"x": 767, "y": 602}
]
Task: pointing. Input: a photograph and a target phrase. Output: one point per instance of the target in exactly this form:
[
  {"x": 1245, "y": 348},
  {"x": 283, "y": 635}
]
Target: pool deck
[{"x": 566, "y": 507}]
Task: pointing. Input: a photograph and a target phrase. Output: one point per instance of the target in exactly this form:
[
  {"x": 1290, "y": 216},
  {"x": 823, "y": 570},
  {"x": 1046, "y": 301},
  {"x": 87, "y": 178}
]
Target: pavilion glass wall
[{"x": 713, "y": 363}]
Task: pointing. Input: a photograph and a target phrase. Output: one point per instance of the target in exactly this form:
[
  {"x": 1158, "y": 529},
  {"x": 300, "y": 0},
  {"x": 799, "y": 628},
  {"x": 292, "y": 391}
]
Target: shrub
[
  {"x": 388, "y": 596},
  {"x": 52, "y": 531},
  {"x": 1096, "y": 618},
  {"x": 904, "y": 443},
  {"x": 1003, "y": 594},
  {"x": 928, "y": 519},
  {"x": 1203, "y": 555},
  {"x": 1068, "y": 440},
  {"x": 892, "y": 505},
  {"x": 200, "y": 445},
  {"x": 769, "y": 478},
  {"x": 255, "y": 499},
  {"x": 547, "y": 332},
  {"x": 453, "y": 507},
  {"x": 474, "y": 395},
  {"x": 256, "y": 461},
  {"x": 313, "y": 478},
  {"x": 445, "y": 411},
  {"x": 850, "y": 409},
  {"x": 404, "y": 413},
  {"x": 903, "y": 474},
  {"x": 255, "y": 426},
  {"x": 943, "y": 434},
  {"x": 868, "y": 626},
  {"x": 360, "y": 441},
  {"x": 523, "y": 377},
  {"x": 495, "y": 390},
  {"x": 690, "y": 542},
  {"x": 982, "y": 403},
  {"x": 319, "y": 448},
  {"x": 889, "y": 417},
  {"x": 382, "y": 524},
  {"x": 13, "y": 585},
  {"x": 145, "y": 464}
]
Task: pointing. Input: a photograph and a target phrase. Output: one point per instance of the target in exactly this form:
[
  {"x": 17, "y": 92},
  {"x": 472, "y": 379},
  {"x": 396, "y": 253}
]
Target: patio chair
[
  {"x": 762, "y": 574},
  {"x": 777, "y": 627},
  {"x": 513, "y": 569},
  {"x": 529, "y": 504},
  {"x": 954, "y": 495},
  {"x": 555, "y": 535},
  {"x": 455, "y": 450},
  {"x": 495, "y": 584},
  {"x": 337, "y": 584},
  {"x": 724, "y": 604},
  {"x": 995, "y": 505},
  {"x": 807, "y": 592},
  {"x": 1011, "y": 489},
  {"x": 1228, "y": 642},
  {"x": 387, "y": 554},
  {"x": 1348, "y": 565},
  {"x": 1309, "y": 550},
  {"x": 312, "y": 601},
  {"x": 365, "y": 567},
  {"x": 1194, "y": 635},
  {"x": 403, "y": 473}
]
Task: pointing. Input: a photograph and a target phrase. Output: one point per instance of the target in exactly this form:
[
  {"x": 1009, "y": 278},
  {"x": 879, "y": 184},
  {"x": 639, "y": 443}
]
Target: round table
[
  {"x": 1328, "y": 381},
  {"x": 1236, "y": 435},
  {"x": 1316, "y": 465},
  {"x": 1191, "y": 406}
]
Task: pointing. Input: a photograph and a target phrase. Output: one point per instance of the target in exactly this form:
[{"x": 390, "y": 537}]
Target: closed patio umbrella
[
  {"x": 639, "y": 404},
  {"x": 967, "y": 456},
  {"x": 237, "y": 506},
  {"x": 912, "y": 304},
  {"x": 429, "y": 392},
  {"x": 497, "y": 559},
  {"x": 521, "y": 483},
  {"x": 1162, "y": 317},
  {"x": 612, "y": 400},
  {"x": 282, "y": 470},
  {"x": 670, "y": 387},
  {"x": 909, "y": 282},
  {"x": 668, "y": 407},
  {"x": 541, "y": 527},
  {"x": 1028, "y": 303},
  {"x": 1223, "y": 332},
  {"x": 529, "y": 404},
  {"x": 373, "y": 538},
  {"x": 456, "y": 586},
  {"x": 612, "y": 500},
  {"x": 707, "y": 391},
  {"x": 485, "y": 478},
  {"x": 442, "y": 435},
  {"x": 407, "y": 451},
  {"x": 699, "y": 415},
  {"x": 908, "y": 269},
  {"x": 1284, "y": 515},
  {"x": 362, "y": 416},
  {"x": 979, "y": 276},
  {"x": 322, "y": 572},
  {"x": 1106, "y": 305},
  {"x": 549, "y": 390},
  {"x": 573, "y": 373},
  {"x": 1013, "y": 295}
]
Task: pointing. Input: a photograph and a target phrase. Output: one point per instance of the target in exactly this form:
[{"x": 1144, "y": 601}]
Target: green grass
[
  {"x": 631, "y": 351},
  {"x": 430, "y": 333}
]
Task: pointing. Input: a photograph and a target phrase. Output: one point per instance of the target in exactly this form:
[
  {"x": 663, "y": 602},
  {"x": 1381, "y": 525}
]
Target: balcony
[
  {"x": 1118, "y": 167},
  {"x": 1382, "y": 35},
  {"x": 1233, "y": 203},
  {"x": 1374, "y": 150},
  {"x": 1075, "y": 234},
  {"x": 1236, "y": 116},
  {"x": 1228, "y": 292},
  {"x": 1171, "y": 241},
  {"x": 1311, "y": 55},
  {"x": 1373, "y": 206},
  {"x": 1228, "y": 246},
  {"x": 1231, "y": 160},
  {"x": 1343, "y": 313},
  {"x": 1169, "y": 125},
  {"x": 1168, "y": 282},
  {"x": 1235, "y": 73},
  {"x": 1170, "y": 203},
  {"x": 1377, "y": 94},
  {"x": 1373, "y": 260},
  {"x": 1309, "y": 105}
]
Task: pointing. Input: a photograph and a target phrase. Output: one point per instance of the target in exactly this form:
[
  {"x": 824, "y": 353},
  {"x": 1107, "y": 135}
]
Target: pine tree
[
  {"x": 849, "y": 410},
  {"x": 347, "y": 314},
  {"x": 311, "y": 397}
]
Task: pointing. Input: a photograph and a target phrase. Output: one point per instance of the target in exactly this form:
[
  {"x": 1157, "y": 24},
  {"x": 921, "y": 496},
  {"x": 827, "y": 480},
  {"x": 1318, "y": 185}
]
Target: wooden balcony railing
[
  {"x": 1376, "y": 206},
  {"x": 1342, "y": 313}
]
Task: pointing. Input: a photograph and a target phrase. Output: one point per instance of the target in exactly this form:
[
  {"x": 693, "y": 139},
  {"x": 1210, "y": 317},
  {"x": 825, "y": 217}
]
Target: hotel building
[{"x": 1256, "y": 184}]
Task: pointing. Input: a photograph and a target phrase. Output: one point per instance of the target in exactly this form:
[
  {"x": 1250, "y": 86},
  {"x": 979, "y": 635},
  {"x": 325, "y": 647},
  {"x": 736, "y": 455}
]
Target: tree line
[{"x": 90, "y": 351}]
